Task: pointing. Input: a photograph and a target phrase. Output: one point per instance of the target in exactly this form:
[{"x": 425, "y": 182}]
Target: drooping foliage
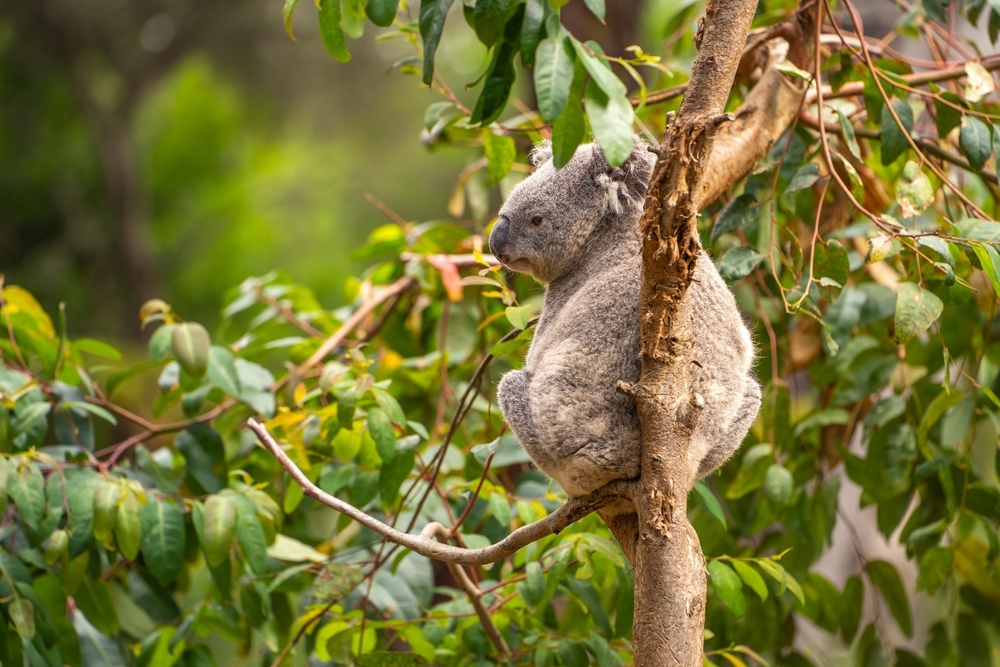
[{"x": 144, "y": 525}]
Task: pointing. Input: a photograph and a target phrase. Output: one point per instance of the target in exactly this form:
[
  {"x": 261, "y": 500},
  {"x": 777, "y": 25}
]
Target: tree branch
[
  {"x": 570, "y": 512},
  {"x": 472, "y": 591},
  {"x": 335, "y": 339}
]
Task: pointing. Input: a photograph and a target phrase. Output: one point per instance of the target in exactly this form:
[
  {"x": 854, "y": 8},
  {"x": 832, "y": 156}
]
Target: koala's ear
[
  {"x": 636, "y": 171},
  {"x": 541, "y": 153}
]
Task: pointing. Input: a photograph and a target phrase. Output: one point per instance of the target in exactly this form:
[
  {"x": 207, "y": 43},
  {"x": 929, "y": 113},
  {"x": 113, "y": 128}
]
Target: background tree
[{"x": 174, "y": 538}]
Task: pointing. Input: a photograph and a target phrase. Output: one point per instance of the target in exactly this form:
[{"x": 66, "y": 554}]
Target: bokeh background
[{"x": 172, "y": 148}]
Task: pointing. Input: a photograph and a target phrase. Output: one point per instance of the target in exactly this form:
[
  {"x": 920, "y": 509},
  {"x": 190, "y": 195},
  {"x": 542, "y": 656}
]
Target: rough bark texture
[{"x": 670, "y": 580}]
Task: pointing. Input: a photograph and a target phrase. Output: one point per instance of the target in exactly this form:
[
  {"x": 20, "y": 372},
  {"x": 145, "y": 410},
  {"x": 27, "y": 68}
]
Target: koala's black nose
[{"x": 498, "y": 237}]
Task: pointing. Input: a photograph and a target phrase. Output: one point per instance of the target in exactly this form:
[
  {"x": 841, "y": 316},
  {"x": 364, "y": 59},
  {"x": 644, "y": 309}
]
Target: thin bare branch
[
  {"x": 570, "y": 512},
  {"x": 338, "y": 337}
]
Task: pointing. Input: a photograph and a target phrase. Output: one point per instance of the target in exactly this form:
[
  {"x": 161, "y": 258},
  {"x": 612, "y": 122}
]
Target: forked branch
[{"x": 424, "y": 544}]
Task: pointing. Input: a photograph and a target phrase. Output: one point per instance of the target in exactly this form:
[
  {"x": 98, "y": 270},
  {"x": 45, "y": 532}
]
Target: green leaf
[
  {"x": 250, "y": 534},
  {"x": 500, "y": 74},
  {"x": 128, "y": 527},
  {"x": 975, "y": 141},
  {"x": 191, "y": 345},
  {"x": 222, "y": 370},
  {"x": 728, "y": 586},
  {"x": 288, "y": 13},
  {"x": 785, "y": 581},
  {"x": 914, "y": 191},
  {"x": 532, "y": 29},
  {"x": 500, "y": 152},
  {"x": 95, "y": 410},
  {"x": 601, "y": 74},
  {"x": 94, "y": 600},
  {"x": 393, "y": 474},
  {"x": 519, "y": 316},
  {"x": 979, "y": 230},
  {"x": 597, "y": 8},
  {"x": 382, "y": 12},
  {"x": 163, "y": 538},
  {"x": 383, "y": 434},
  {"x": 974, "y": 647},
  {"x": 738, "y": 262},
  {"x": 97, "y": 648},
  {"x": 81, "y": 484},
  {"x": 106, "y": 498},
  {"x": 220, "y": 528},
  {"x": 391, "y": 406},
  {"x": 989, "y": 259},
  {"x": 532, "y": 589},
  {"x": 611, "y": 119},
  {"x": 26, "y": 488},
  {"x": 830, "y": 261},
  {"x": 488, "y": 19},
  {"x": 500, "y": 508},
  {"x": 894, "y": 142},
  {"x": 4, "y": 476},
  {"x": 432, "y": 16},
  {"x": 803, "y": 179},
  {"x": 97, "y": 348},
  {"x": 587, "y": 594},
  {"x": 568, "y": 129},
  {"x": 555, "y": 63},
  {"x": 710, "y": 502},
  {"x": 205, "y": 457},
  {"x": 847, "y": 131},
  {"x": 331, "y": 32},
  {"x": 751, "y": 578},
  {"x": 948, "y": 117},
  {"x": 916, "y": 310},
  {"x": 117, "y": 378},
  {"x": 883, "y": 575},
  {"x": 851, "y": 603},
  {"x": 778, "y": 486},
  {"x": 22, "y": 613},
  {"x": 737, "y": 214}
]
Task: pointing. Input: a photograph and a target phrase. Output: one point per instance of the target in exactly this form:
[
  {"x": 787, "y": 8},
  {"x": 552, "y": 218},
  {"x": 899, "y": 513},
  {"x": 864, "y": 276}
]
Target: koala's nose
[{"x": 498, "y": 237}]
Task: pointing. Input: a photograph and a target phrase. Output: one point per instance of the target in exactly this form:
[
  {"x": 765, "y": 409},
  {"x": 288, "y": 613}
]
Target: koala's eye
[{"x": 537, "y": 220}]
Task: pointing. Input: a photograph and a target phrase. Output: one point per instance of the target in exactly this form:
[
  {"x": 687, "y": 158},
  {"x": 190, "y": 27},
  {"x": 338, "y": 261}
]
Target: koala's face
[{"x": 544, "y": 224}]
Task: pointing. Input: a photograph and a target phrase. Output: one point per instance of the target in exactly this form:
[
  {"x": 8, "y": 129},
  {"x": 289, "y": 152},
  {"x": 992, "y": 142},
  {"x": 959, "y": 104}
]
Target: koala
[{"x": 576, "y": 230}]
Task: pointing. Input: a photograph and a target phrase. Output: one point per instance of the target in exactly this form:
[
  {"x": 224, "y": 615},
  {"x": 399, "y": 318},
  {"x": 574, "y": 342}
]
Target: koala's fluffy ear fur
[
  {"x": 541, "y": 153},
  {"x": 625, "y": 185}
]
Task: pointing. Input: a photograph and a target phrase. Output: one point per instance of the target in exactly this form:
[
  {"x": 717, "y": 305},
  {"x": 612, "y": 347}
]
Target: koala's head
[{"x": 544, "y": 225}]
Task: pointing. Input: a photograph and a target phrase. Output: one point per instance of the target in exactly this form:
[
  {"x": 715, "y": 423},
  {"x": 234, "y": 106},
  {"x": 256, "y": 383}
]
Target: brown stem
[
  {"x": 474, "y": 594},
  {"x": 337, "y": 338},
  {"x": 572, "y": 511}
]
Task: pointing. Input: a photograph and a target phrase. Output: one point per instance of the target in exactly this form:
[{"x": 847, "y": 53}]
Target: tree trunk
[{"x": 670, "y": 578}]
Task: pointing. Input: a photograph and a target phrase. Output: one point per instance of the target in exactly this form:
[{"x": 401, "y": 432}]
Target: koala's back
[
  {"x": 587, "y": 433},
  {"x": 587, "y": 340}
]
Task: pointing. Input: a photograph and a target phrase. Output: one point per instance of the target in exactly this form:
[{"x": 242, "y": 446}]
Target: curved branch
[{"x": 572, "y": 511}]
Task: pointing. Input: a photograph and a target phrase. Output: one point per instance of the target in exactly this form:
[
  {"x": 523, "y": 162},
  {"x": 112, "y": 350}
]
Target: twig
[
  {"x": 474, "y": 594},
  {"x": 573, "y": 510},
  {"x": 286, "y": 313},
  {"x": 337, "y": 338}
]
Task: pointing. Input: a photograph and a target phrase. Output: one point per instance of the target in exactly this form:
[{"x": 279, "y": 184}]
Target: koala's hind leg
[{"x": 731, "y": 441}]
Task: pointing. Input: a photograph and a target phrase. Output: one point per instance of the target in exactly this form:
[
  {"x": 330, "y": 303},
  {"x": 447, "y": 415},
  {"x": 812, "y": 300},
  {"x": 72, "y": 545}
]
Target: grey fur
[{"x": 563, "y": 405}]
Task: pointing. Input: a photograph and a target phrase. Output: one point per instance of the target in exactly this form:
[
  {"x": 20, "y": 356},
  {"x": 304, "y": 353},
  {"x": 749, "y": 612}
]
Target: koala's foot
[
  {"x": 512, "y": 394},
  {"x": 727, "y": 445}
]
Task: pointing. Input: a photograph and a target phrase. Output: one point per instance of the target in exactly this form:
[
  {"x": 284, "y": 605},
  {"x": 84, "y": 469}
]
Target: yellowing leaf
[{"x": 978, "y": 82}]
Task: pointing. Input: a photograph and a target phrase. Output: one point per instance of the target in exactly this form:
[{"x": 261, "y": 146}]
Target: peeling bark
[{"x": 670, "y": 580}]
